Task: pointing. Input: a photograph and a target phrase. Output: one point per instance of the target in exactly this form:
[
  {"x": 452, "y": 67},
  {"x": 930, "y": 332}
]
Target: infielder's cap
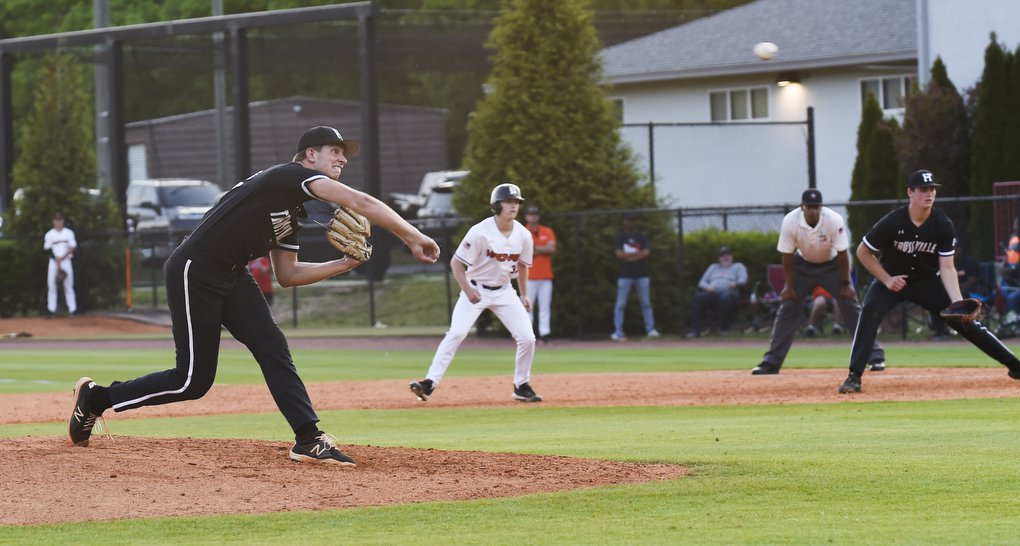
[
  {"x": 922, "y": 179},
  {"x": 725, "y": 250},
  {"x": 327, "y": 135},
  {"x": 533, "y": 210},
  {"x": 58, "y": 215},
  {"x": 811, "y": 197}
]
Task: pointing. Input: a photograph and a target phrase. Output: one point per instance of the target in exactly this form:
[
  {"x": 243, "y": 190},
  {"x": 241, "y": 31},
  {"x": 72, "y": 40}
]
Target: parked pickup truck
[{"x": 409, "y": 204}]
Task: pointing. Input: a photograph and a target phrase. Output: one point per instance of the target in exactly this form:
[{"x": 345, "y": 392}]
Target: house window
[
  {"x": 739, "y": 104},
  {"x": 890, "y": 92}
]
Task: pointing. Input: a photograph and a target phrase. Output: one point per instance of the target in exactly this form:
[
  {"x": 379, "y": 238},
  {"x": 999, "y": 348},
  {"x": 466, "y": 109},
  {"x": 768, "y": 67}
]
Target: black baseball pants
[
  {"x": 931, "y": 295},
  {"x": 203, "y": 296}
]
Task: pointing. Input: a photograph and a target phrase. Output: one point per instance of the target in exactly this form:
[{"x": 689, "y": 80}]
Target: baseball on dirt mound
[{"x": 765, "y": 50}]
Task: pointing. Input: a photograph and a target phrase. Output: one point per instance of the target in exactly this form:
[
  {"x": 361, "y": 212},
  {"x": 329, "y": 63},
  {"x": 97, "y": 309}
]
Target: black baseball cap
[
  {"x": 922, "y": 179},
  {"x": 811, "y": 197},
  {"x": 725, "y": 250},
  {"x": 327, "y": 135}
]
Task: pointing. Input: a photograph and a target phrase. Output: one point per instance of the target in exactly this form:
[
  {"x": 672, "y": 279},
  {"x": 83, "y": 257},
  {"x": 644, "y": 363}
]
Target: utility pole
[
  {"x": 101, "y": 19},
  {"x": 220, "y": 91}
]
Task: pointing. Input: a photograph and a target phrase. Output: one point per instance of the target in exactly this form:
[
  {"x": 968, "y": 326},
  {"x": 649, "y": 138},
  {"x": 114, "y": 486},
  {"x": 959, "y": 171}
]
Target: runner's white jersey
[{"x": 491, "y": 257}]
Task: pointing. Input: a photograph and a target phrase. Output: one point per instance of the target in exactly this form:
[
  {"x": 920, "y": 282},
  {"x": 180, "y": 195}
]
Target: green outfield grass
[{"x": 931, "y": 472}]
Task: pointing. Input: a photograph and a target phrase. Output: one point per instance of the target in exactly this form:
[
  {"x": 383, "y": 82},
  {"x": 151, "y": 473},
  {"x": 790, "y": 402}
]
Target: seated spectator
[
  {"x": 822, "y": 302},
  {"x": 719, "y": 288}
]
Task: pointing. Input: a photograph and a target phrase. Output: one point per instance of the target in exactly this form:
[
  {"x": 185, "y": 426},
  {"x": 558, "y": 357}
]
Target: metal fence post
[{"x": 811, "y": 173}]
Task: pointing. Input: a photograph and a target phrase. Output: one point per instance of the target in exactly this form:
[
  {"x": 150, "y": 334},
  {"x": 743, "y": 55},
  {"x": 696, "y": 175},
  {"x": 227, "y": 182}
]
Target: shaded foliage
[
  {"x": 876, "y": 169},
  {"x": 55, "y": 171},
  {"x": 936, "y": 137},
  {"x": 995, "y": 140},
  {"x": 547, "y": 126}
]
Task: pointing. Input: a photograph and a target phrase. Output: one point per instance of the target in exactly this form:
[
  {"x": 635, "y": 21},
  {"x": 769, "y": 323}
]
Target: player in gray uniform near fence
[
  {"x": 813, "y": 242},
  {"x": 917, "y": 243},
  {"x": 209, "y": 287}
]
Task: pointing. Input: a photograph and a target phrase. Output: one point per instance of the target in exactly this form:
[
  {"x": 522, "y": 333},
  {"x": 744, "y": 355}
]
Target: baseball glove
[
  {"x": 965, "y": 310},
  {"x": 61, "y": 275},
  {"x": 348, "y": 232}
]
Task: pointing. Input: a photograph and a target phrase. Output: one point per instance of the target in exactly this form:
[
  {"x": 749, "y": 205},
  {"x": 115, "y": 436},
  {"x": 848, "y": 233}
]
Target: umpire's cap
[
  {"x": 922, "y": 179},
  {"x": 327, "y": 135},
  {"x": 811, "y": 197},
  {"x": 504, "y": 192}
]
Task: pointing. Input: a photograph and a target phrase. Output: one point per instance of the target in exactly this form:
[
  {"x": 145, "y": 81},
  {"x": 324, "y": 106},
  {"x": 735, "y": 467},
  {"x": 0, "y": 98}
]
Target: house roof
[{"x": 809, "y": 33}]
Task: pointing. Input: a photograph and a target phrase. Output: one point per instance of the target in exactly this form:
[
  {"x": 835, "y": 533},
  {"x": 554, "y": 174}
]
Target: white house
[{"x": 727, "y": 134}]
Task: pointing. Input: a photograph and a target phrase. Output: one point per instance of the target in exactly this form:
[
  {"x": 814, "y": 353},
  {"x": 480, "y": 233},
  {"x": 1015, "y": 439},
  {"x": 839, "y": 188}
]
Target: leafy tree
[
  {"x": 992, "y": 146},
  {"x": 936, "y": 136},
  {"x": 547, "y": 126},
  {"x": 55, "y": 171},
  {"x": 860, "y": 219}
]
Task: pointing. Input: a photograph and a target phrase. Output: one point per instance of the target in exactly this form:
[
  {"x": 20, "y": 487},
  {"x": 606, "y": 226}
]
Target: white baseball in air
[{"x": 765, "y": 50}]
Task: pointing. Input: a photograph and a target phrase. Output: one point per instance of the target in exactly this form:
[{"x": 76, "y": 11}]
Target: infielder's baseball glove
[
  {"x": 61, "y": 275},
  {"x": 965, "y": 310},
  {"x": 348, "y": 232}
]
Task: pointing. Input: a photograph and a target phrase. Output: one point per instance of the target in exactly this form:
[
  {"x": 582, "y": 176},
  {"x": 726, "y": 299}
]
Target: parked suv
[{"x": 161, "y": 212}]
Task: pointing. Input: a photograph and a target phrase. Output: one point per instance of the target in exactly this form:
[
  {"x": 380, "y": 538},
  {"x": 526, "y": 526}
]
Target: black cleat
[
  {"x": 852, "y": 384},
  {"x": 422, "y": 389},
  {"x": 83, "y": 417},
  {"x": 765, "y": 368},
  {"x": 524, "y": 393},
  {"x": 1015, "y": 374},
  {"x": 320, "y": 450}
]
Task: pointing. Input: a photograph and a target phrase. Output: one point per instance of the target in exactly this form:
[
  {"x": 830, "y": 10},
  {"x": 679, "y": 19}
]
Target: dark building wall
[{"x": 412, "y": 140}]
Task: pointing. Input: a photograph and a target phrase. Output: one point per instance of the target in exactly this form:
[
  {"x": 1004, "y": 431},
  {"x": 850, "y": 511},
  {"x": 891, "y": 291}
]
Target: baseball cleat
[
  {"x": 852, "y": 384},
  {"x": 524, "y": 393},
  {"x": 422, "y": 389},
  {"x": 1015, "y": 374},
  {"x": 320, "y": 450},
  {"x": 877, "y": 366},
  {"x": 83, "y": 417},
  {"x": 765, "y": 369}
]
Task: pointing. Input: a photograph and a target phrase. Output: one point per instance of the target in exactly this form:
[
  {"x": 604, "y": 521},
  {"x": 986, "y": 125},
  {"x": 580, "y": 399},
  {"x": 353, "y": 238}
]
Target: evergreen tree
[
  {"x": 55, "y": 170},
  {"x": 936, "y": 136},
  {"x": 990, "y": 158},
  {"x": 860, "y": 219},
  {"x": 1011, "y": 143},
  {"x": 547, "y": 126}
]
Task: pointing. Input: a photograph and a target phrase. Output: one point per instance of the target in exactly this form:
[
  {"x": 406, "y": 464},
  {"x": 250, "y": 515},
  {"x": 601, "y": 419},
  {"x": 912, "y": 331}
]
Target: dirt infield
[{"x": 128, "y": 477}]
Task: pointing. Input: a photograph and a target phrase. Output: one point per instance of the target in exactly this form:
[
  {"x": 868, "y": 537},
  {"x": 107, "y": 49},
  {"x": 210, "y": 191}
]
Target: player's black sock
[
  {"x": 307, "y": 432},
  {"x": 100, "y": 399}
]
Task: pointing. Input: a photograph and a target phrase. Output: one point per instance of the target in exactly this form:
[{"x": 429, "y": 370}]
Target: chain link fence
[{"x": 395, "y": 290}]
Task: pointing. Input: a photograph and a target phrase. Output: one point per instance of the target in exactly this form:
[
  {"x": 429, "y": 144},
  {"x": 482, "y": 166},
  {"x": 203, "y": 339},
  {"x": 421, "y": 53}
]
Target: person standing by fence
[
  {"x": 540, "y": 275},
  {"x": 60, "y": 244},
  {"x": 632, "y": 250}
]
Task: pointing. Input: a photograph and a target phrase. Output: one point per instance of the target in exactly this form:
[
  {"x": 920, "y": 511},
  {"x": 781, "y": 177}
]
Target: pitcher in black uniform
[
  {"x": 208, "y": 286},
  {"x": 917, "y": 243}
]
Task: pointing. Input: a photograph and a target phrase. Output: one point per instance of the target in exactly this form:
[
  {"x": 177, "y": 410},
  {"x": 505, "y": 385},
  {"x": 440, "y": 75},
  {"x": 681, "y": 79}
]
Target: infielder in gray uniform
[{"x": 818, "y": 235}]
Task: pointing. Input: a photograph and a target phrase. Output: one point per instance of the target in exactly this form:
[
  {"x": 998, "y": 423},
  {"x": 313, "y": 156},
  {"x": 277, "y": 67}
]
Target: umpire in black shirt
[
  {"x": 916, "y": 243},
  {"x": 209, "y": 287}
]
